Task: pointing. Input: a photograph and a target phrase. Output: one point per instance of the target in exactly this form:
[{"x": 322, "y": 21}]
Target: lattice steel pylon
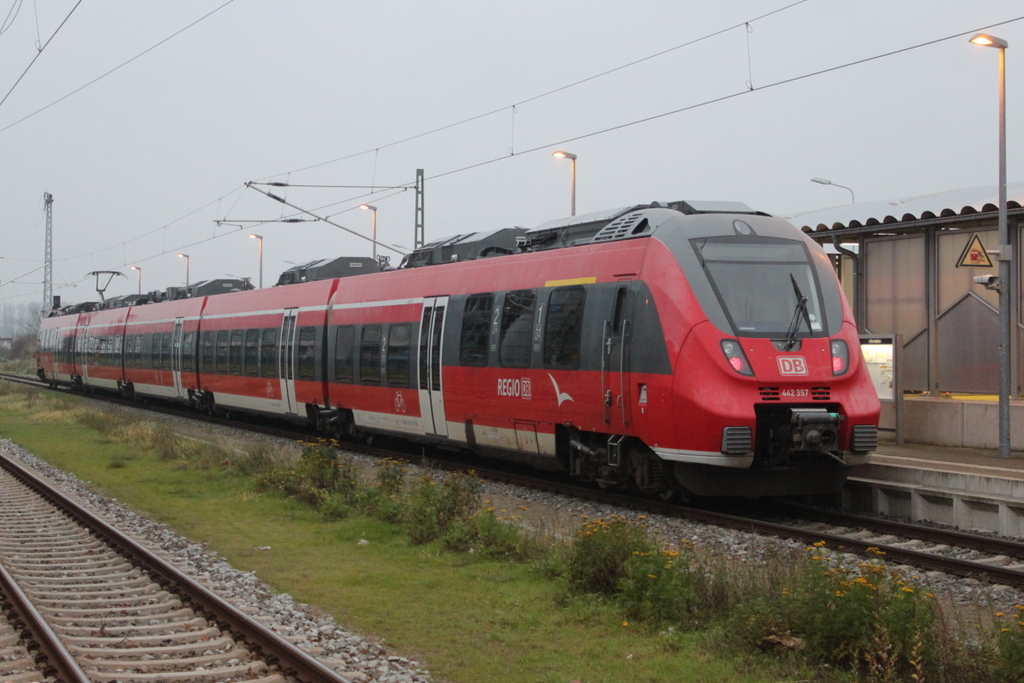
[
  {"x": 417, "y": 239},
  {"x": 48, "y": 258}
]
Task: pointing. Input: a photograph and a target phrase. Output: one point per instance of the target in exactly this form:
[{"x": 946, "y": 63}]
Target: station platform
[
  {"x": 968, "y": 488},
  {"x": 969, "y": 421}
]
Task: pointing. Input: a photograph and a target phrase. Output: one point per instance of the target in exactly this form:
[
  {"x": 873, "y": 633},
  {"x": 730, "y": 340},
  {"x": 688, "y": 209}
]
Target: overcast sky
[{"x": 144, "y": 162}]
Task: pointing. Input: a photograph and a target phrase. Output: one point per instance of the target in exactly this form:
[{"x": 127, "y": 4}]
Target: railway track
[
  {"x": 988, "y": 559},
  {"x": 85, "y": 602}
]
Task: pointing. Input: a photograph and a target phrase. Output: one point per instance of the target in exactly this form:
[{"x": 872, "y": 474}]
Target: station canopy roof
[{"x": 931, "y": 206}]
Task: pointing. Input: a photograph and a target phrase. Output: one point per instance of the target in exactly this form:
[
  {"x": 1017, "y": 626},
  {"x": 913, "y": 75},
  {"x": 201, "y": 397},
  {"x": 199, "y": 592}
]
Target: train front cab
[{"x": 773, "y": 369}]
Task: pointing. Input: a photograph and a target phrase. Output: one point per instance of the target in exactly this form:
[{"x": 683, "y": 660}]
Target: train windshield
[{"x": 767, "y": 287}]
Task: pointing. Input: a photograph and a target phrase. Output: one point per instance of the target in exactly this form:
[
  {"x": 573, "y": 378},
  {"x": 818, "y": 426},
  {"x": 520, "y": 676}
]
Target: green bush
[
  {"x": 599, "y": 553},
  {"x": 336, "y": 506},
  {"x": 433, "y": 509},
  {"x": 863, "y": 618},
  {"x": 1008, "y": 663},
  {"x": 660, "y": 589},
  {"x": 498, "y": 537},
  {"x": 257, "y": 458}
]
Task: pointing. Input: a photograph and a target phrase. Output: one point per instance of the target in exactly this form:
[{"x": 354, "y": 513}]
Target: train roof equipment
[
  {"x": 466, "y": 247},
  {"x": 328, "y": 269},
  {"x": 219, "y": 286}
]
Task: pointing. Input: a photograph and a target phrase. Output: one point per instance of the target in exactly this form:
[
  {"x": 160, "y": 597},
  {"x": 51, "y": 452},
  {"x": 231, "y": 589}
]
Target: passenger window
[
  {"x": 344, "y": 350},
  {"x": 268, "y": 353},
  {"x": 620, "y": 310},
  {"x": 222, "y": 352},
  {"x": 476, "y": 327},
  {"x": 154, "y": 352},
  {"x": 517, "y": 329},
  {"x": 398, "y": 355},
  {"x": 369, "y": 355},
  {"x": 235, "y": 353},
  {"x": 209, "y": 339},
  {"x": 165, "y": 351},
  {"x": 252, "y": 353},
  {"x": 187, "y": 352},
  {"x": 564, "y": 328},
  {"x": 307, "y": 353}
]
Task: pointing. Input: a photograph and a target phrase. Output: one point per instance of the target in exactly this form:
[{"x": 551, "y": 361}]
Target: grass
[{"x": 465, "y": 617}]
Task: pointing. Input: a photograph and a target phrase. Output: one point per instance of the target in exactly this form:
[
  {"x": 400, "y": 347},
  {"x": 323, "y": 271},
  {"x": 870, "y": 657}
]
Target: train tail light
[
  {"x": 734, "y": 354},
  {"x": 840, "y": 357}
]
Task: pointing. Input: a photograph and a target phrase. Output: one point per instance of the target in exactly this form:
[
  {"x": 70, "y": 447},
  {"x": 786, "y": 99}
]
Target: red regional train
[{"x": 689, "y": 347}]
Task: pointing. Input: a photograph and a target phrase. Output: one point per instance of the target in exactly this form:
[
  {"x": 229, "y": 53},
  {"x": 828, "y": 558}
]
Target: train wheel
[{"x": 668, "y": 495}]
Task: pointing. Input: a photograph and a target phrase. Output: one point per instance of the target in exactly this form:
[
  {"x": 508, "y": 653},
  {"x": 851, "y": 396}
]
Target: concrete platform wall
[
  {"x": 965, "y": 501},
  {"x": 955, "y": 423}
]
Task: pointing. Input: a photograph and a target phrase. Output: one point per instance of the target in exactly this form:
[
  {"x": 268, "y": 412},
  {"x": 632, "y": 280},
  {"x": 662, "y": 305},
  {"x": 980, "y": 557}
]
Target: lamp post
[
  {"x": 260, "y": 238},
  {"x": 826, "y": 181},
  {"x": 185, "y": 256},
  {"x": 572, "y": 174},
  {"x": 140, "y": 277},
  {"x": 370, "y": 207},
  {"x": 1005, "y": 255}
]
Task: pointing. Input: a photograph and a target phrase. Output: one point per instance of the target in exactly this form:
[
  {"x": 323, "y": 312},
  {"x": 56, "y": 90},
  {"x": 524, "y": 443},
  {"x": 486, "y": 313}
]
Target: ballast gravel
[{"x": 364, "y": 659}]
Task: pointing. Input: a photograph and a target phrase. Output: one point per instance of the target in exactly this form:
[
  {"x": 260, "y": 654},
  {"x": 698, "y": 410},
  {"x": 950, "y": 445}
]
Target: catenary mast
[{"x": 48, "y": 259}]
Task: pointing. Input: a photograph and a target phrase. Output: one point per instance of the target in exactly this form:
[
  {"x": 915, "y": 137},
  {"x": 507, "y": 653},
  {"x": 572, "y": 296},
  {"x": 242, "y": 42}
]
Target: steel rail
[
  {"x": 275, "y": 649},
  {"x": 986, "y": 544},
  {"x": 53, "y": 658}
]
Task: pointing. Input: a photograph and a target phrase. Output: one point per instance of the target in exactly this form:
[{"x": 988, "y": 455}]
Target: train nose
[{"x": 814, "y": 429}]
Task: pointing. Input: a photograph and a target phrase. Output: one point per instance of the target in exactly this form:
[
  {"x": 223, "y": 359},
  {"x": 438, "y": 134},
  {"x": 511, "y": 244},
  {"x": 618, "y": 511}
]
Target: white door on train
[
  {"x": 286, "y": 361},
  {"x": 85, "y": 353},
  {"x": 176, "y": 356},
  {"x": 430, "y": 380}
]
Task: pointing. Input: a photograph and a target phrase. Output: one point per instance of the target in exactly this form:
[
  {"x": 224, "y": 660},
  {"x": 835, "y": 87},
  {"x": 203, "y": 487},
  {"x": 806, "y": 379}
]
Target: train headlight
[
  {"x": 734, "y": 354},
  {"x": 840, "y": 357}
]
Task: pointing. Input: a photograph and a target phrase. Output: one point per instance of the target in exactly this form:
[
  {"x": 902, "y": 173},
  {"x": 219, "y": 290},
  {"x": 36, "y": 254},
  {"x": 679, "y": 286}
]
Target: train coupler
[{"x": 814, "y": 429}]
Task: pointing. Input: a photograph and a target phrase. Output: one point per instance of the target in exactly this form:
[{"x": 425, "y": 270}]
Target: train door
[
  {"x": 431, "y": 339},
  {"x": 176, "y": 356},
  {"x": 85, "y": 353},
  {"x": 615, "y": 362},
  {"x": 286, "y": 361}
]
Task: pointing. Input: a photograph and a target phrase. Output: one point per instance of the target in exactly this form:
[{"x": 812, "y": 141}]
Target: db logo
[{"x": 792, "y": 365}]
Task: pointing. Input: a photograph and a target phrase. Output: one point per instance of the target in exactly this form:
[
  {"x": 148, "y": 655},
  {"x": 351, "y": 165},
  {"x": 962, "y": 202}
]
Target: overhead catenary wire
[
  {"x": 39, "y": 52},
  {"x": 723, "y": 98},
  {"x": 328, "y": 221},
  {"x": 642, "y": 120},
  {"x": 9, "y": 20},
  {"x": 547, "y": 93},
  {"x": 119, "y": 66},
  {"x": 398, "y": 142}
]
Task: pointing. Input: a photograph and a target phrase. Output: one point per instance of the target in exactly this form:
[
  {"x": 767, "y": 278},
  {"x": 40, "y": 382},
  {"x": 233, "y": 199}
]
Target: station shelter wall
[{"x": 913, "y": 287}]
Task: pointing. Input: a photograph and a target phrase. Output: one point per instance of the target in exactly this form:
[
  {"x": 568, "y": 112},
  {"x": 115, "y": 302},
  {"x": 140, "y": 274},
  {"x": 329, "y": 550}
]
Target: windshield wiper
[{"x": 800, "y": 313}]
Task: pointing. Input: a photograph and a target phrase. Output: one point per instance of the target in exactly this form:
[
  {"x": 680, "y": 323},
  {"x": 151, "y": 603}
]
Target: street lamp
[
  {"x": 572, "y": 173},
  {"x": 826, "y": 181},
  {"x": 260, "y": 238},
  {"x": 140, "y": 277},
  {"x": 370, "y": 207},
  {"x": 1005, "y": 255},
  {"x": 185, "y": 256}
]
